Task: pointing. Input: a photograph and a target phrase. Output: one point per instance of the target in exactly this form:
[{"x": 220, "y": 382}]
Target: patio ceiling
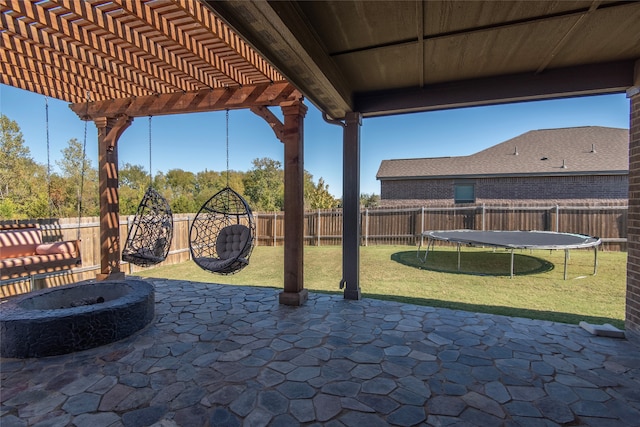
[
  {"x": 378, "y": 57},
  {"x": 372, "y": 57},
  {"x": 118, "y": 49}
]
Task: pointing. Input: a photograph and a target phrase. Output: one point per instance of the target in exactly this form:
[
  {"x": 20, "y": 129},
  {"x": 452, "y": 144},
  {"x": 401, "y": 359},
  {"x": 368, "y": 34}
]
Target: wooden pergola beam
[
  {"x": 66, "y": 23},
  {"x": 190, "y": 102},
  {"x": 15, "y": 65},
  {"x": 171, "y": 19},
  {"x": 30, "y": 30},
  {"x": 22, "y": 50},
  {"x": 201, "y": 14},
  {"x": 146, "y": 42},
  {"x": 11, "y": 74}
]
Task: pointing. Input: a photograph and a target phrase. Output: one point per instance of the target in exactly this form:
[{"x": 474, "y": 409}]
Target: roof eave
[{"x": 504, "y": 175}]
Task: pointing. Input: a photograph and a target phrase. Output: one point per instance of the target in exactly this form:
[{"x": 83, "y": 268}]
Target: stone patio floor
[{"x": 230, "y": 355}]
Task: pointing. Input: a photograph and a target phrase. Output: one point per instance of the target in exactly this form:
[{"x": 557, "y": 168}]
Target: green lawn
[{"x": 393, "y": 272}]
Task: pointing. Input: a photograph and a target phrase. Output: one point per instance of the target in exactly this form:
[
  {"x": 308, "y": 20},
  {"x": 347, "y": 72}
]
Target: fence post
[
  {"x": 366, "y": 227},
  {"x": 257, "y": 221},
  {"x": 422, "y": 227},
  {"x": 275, "y": 228},
  {"x": 483, "y": 216},
  {"x": 318, "y": 227},
  {"x": 188, "y": 235}
]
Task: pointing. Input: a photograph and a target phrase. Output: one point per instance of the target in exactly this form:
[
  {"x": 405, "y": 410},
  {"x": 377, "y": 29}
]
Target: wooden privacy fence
[
  {"x": 379, "y": 226},
  {"x": 405, "y": 225}
]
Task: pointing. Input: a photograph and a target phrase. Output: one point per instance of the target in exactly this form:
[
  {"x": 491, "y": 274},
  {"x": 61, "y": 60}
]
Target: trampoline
[{"x": 514, "y": 240}]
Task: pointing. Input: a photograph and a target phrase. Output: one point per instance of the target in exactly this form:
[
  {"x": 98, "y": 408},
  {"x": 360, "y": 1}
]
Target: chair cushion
[{"x": 232, "y": 241}]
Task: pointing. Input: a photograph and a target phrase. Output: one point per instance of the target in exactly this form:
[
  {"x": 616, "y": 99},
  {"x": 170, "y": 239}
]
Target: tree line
[{"x": 29, "y": 189}]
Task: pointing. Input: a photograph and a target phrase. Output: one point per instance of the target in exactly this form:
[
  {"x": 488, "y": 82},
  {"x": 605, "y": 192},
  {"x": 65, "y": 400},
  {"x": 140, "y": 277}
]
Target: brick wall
[
  {"x": 436, "y": 191},
  {"x": 560, "y": 190},
  {"x": 632, "y": 323}
]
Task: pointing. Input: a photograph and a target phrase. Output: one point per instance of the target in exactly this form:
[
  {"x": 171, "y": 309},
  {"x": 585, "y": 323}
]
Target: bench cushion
[
  {"x": 56, "y": 248},
  {"x": 20, "y": 242},
  {"x": 36, "y": 264}
]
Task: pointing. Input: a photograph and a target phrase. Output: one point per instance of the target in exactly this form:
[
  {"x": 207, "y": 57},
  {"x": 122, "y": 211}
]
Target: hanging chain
[
  {"x": 227, "y": 133},
  {"x": 46, "y": 115},
  {"x": 150, "y": 169},
  {"x": 83, "y": 158}
]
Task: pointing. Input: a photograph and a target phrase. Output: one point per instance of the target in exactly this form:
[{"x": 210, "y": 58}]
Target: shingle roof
[{"x": 591, "y": 150}]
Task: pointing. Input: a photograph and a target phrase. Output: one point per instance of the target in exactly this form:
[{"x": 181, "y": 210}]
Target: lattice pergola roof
[{"x": 117, "y": 49}]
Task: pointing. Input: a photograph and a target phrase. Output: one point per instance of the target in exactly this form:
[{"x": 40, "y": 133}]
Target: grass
[{"x": 538, "y": 290}]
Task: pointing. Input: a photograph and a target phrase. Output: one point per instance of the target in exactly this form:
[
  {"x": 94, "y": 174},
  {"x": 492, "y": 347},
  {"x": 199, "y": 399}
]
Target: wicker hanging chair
[
  {"x": 151, "y": 232},
  {"x": 221, "y": 237}
]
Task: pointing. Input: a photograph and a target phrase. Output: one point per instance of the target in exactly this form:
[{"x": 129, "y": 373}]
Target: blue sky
[{"x": 196, "y": 142}]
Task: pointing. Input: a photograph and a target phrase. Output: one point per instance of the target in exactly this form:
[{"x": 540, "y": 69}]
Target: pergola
[
  {"x": 118, "y": 60},
  {"x": 352, "y": 59}
]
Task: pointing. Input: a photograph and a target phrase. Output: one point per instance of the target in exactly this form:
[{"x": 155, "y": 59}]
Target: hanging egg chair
[
  {"x": 221, "y": 237},
  {"x": 151, "y": 232}
]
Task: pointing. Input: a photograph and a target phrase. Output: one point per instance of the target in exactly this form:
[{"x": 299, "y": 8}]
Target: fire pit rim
[
  {"x": 16, "y": 309},
  {"x": 34, "y": 332}
]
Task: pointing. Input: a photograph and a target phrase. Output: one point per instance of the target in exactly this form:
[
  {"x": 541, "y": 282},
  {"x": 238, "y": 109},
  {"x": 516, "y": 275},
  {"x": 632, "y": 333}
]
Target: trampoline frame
[{"x": 460, "y": 237}]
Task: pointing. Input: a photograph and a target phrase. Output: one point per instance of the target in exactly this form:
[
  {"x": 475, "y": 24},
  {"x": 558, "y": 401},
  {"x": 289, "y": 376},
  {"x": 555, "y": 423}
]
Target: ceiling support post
[
  {"x": 351, "y": 207},
  {"x": 632, "y": 309},
  {"x": 293, "y": 139},
  {"x": 109, "y": 131}
]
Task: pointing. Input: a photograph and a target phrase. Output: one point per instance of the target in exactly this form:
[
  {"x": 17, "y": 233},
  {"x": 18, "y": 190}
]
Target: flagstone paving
[{"x": 230, "y": 356}]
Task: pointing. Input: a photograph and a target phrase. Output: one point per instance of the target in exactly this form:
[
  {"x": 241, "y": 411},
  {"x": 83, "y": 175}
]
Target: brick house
[{"x": 569, "y": 166}]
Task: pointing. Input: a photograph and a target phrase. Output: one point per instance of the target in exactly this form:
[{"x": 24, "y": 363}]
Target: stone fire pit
[{"x": 74, "y": 317}]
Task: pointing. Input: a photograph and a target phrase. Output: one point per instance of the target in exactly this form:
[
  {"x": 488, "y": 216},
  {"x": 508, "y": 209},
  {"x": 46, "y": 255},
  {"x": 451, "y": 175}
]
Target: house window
[{"x": 464, "y": 193}]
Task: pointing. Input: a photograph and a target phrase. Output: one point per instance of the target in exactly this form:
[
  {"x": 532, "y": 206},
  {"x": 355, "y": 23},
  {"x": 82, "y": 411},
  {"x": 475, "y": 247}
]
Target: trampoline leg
[
  {"x": 595, "y": 260},
  {"x": 566, "y": 257},
  {"x": 458, "y": 256},
  {"x": 426, "y": 252},
  {"x": 511, "y": 263}
]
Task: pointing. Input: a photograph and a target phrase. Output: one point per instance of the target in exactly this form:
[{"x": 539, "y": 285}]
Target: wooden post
[
  {"x": 366, "y": 227},
  {"x": 293, "y": 135},
  {"x": 109, "y": 131},
  {"x": 318, "y": 228},
  {"x": 351, "y": 207}
]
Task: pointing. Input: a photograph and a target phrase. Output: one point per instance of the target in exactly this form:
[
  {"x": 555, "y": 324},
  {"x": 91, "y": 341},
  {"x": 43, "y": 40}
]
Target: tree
[
  {"x": 207, "y": 184},
  {"x": 182, "y": 204},
  {"x": 133, "y": 182},
  {"x": 81, "y": 181},
  {"x": 236, "y": 181},
  {"x": 133, "y": 176},
  {"x": 369, "y": 200},
  {"x": 14, "y": 156},
  {"x": 320, "y": 198},
  {"x": 181, "y": 183},
  {"x": 264, "y": 185},
  {"x": 21, "y": 178}
]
